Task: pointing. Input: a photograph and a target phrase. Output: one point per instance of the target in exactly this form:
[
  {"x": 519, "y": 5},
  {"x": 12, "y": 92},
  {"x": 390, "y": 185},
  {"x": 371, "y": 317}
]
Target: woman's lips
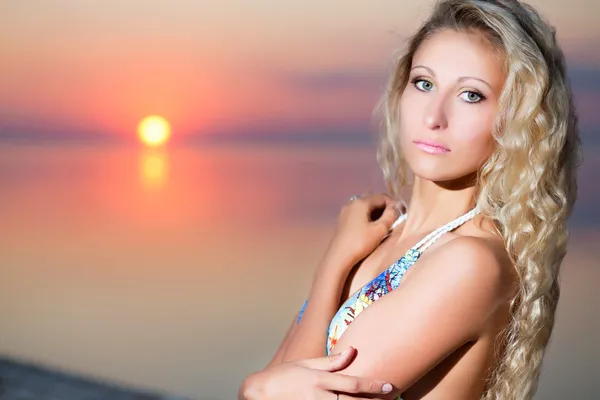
[{"x": 431, "y": 147}]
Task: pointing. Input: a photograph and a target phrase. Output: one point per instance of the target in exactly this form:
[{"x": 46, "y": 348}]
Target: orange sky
[{"x": 102, "y": 66}]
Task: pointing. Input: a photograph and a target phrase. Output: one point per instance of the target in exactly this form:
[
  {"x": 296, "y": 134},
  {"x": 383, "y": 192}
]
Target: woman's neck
[{"x": 433, "y": 205}]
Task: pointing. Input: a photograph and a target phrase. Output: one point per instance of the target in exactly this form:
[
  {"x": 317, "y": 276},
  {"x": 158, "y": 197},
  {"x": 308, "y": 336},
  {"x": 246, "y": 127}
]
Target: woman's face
[{"x": 448, "y": 107}]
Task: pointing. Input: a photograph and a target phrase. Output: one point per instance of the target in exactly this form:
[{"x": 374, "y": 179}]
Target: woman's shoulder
[
  {"x": 476, "y": 253},
  {"x": 474, "y": 250}
]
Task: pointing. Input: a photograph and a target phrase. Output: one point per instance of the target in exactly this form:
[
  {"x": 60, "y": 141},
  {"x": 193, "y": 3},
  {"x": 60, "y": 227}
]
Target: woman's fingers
[
  {"x": 352, "y": 384},
  {"x": 378, "y": 200},
  {"x": 333, "y": 362},
  {"x": 389, "y": 216}
]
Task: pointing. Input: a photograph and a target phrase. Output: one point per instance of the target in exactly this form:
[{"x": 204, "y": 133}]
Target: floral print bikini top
[{"x": 383, "y": 283}]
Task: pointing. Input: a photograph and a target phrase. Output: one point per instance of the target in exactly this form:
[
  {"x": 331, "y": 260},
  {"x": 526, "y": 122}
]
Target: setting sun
[{"x": 154, "y": 130}]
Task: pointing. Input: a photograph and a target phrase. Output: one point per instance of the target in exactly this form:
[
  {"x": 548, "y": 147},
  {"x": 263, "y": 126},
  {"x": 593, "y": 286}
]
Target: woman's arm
[
  {"x": 312, "y": 378},
  {"x": 291, "y": 332},
  {"x": 358, "y": 233},
  {"x": 447, "y": 303},
  {"x": 280, "y": 354},
  {"x": 308, "y": 337},
  {"x": 278, "y": 357}
]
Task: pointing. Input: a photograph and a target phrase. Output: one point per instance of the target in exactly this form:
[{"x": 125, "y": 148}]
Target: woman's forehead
[{"x": 451, "y": 54}]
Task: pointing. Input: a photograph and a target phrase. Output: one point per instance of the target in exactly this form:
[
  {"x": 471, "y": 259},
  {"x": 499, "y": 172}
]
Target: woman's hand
[
  {"x": 311, "y": 379},
  {"x": 356, "y": 234}
]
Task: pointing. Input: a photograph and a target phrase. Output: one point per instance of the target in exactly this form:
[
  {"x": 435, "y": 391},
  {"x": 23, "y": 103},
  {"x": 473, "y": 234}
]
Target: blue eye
[
  {"x": 423, "y": 85},
  {"x": 471, "y": 97}
]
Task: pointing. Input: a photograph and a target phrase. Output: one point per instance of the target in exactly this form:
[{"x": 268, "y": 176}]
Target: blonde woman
[{"x": 454, "y": 298}]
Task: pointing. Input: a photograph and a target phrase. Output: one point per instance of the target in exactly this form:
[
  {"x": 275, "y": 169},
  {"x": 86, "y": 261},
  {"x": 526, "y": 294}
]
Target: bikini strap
[
  {"x": 436, "y": 234},
  {"x": 399, "y": 220},
  {"x": 450, "y": 226}
]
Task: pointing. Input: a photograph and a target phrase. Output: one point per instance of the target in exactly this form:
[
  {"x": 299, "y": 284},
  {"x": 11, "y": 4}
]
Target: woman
[{"x": 457, "y": 295}]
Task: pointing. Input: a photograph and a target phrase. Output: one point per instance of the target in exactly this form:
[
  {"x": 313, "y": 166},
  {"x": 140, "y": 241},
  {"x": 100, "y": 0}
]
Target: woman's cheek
[{"x": 476, "y": 147}]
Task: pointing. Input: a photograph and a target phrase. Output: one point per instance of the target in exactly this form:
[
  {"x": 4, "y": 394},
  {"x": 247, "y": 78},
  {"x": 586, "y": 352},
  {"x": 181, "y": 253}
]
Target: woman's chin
[
  {"x": 434, "y": 173},
  {"x": 444, "y": 176}
]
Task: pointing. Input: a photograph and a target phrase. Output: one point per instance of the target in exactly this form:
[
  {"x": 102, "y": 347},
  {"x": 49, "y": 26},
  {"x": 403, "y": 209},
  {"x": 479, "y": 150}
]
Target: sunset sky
[
  {"x": 158, "y": 267},
  {"x": 76, "y": 69}
]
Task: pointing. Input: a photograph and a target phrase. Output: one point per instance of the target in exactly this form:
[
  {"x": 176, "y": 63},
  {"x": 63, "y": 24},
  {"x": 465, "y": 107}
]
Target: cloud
[
  {"x": 586, "y": 212},
  {"x": 584, "y": 78},
  {"x": 359, "y": 80},
  {"x": 281, "y": 130}
]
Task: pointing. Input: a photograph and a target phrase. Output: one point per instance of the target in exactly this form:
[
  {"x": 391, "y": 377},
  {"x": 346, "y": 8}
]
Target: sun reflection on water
[{"x": 154, "y": 168}]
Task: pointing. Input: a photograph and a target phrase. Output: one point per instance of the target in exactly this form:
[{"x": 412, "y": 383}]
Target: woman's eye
[
  {"x": 423, "y": 85},
  {"x": 471, "y": 97}
]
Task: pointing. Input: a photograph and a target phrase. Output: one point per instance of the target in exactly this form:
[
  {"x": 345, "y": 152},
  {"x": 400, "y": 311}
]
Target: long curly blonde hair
[{"x": 528, "y": 185}]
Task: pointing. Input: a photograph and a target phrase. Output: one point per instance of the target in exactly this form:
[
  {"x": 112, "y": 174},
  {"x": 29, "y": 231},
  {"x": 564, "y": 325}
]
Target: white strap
[
  {"x": 435, "y": 235},
  {"x": 450, "y": 226},
  {"x": 398, "y": 221}
]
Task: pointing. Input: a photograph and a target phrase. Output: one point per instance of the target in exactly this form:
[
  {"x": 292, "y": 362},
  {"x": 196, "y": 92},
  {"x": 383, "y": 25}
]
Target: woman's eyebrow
[
  {"x": 424, "y": 67},
  {"x": 462, "y": 78}
]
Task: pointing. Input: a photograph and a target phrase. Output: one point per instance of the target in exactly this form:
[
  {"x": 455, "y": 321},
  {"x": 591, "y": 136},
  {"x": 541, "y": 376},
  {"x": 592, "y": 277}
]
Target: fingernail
[
  {"x": 345, "y": 352},
  {"x": 386, "y": 388}
]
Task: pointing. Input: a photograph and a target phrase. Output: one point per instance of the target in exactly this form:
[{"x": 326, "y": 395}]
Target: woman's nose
[{"x": 435, "y": 116}]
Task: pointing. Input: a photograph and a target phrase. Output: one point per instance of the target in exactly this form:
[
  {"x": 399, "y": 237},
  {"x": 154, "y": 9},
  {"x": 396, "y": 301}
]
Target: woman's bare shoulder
[{"x": 480, "y": 249}]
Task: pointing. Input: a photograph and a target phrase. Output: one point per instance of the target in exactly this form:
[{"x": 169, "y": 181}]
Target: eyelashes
[
  {"x": 472, "y": 92},
  {"x": 419, "y": 83}
]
